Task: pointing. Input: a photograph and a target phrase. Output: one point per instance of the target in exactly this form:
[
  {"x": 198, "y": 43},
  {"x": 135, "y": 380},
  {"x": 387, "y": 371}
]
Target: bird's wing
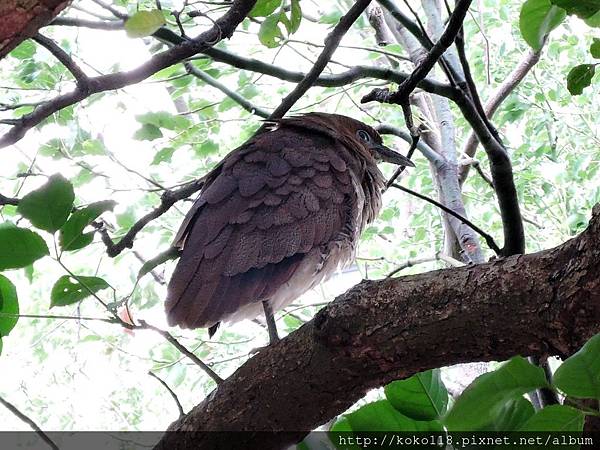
[{"x": 268, "y": 204}]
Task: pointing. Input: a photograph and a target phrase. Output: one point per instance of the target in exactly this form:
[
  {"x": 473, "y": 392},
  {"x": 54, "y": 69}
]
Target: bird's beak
[{"x": 388, "y": 155}]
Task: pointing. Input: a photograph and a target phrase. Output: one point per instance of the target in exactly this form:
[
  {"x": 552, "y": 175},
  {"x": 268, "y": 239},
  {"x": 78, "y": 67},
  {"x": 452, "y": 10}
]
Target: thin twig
[
  {"x": 175, "y": 343},
  {"x": 166, "y": 386},
  {"x": 168, "y": 199},
  {"x": 331, "y": 43},
  {"x": 13, "y": 409},
  {"x": 488, "y": 239}
]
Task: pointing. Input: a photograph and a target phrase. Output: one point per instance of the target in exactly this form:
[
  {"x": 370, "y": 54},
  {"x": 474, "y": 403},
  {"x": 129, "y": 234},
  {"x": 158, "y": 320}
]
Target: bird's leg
[{"x": 273, "y": 336}]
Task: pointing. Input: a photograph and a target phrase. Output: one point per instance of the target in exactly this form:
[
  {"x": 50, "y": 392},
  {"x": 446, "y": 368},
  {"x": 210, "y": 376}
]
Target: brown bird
[{"x": 275, "y": 217}]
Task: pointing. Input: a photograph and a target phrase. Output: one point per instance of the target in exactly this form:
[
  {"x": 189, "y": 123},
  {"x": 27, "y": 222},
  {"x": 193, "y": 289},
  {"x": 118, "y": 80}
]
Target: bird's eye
[{"x": 363, "y": 135}]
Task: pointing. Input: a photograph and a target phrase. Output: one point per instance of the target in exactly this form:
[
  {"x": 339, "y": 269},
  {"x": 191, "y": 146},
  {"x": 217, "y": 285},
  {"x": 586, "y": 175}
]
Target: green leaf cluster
[
  {"x": 495, "y": 401},
  {"x": 48, "y": 208},
  {"x": 539, "y": 17},
  {"x": 270, "y": 33}
]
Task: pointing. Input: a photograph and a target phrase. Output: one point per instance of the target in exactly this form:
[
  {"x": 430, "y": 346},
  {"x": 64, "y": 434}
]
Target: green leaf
[
  {"x": 19, "y": 247},
  {"x": 331, "y": 18},
  {"x": 163, "y": 119},
  {"x": 593, "y": 21},
  {"x": 263, "y": 8},
  {"x": 581, "y": 8},
  {"x": 163, "y": 155},
  {"x": 579, "y": 375},
  {"x": 9, "y": 304},
  {"x": 1, "y": 345},
  {"x": 381, "y": 416},
  {"x": 48, "y": 207},
  {"x": 513, "y": 414},
  {"x": 595, "y": 48},
  {"x": 24, "y": 50},
  {"x": 555, "y": 418},
  {"x": 144, "y": 23},
  {"x": 269, "y": 33},
  {"x": 68, "y": 290},
  {"x": 421, "y": 397},
  {"x": 295, "y": 16},
  {"x": 480, "y": 404},
  {"x": 148, "y": 132},
  {"x": 537, "y": 19},
  {"x": 580, "y": 77},
  {"x": 71, "y": 236}
]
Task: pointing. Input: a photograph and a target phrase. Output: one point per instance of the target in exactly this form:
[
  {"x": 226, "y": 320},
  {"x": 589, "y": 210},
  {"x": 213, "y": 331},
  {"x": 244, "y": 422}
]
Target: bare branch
[
  {"x": 8, "y": 200},
  {"x": 79, "y": 75},
  {"x": 244, "y": 103},
  {"x": 84, "y": 23},
  {"x": 173, "y": 394},
  {"x": 175, "y": 343},
  {"x": 168, "y": 199},
  {"x": 13, "y": 409},
  {"x": 425, "y": 66},
  {"x": 488, "y": 239}
]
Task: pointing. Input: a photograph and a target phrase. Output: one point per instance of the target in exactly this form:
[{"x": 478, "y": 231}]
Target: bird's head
[{"x": 354, "y": 133}]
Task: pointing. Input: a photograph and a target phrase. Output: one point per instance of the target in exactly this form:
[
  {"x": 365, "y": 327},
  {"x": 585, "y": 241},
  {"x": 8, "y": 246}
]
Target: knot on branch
[
  {"x": 342, "y": 322},
  {"x": 378, "y": 95}
]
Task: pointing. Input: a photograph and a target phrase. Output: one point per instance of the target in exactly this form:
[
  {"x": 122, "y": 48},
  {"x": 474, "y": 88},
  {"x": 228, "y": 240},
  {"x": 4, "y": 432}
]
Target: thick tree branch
[
  {"x": 502, "y": 176},
  {"x": 223, "y": 27},
  {"x": 547, "y": 303}
]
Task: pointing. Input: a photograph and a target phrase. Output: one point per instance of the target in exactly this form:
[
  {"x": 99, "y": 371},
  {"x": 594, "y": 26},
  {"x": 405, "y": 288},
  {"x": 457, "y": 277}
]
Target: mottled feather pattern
[{"x": 268, "y": 204}]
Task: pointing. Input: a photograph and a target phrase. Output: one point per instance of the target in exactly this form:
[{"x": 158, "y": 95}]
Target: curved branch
[
  {"x": 547, "y": 303},
  {"x": 168, "y": 199},
  {"x": 223, "y": 27}
]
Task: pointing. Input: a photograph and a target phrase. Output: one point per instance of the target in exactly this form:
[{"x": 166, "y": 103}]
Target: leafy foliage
[
  {"x": 493, "y": 402},
  {"x": 579, "y": 376},
  {"x": 47, "y": 208},
  {"x": 144, "y": 23},
  {"x": 19, "y": 247},
  {"x": 68, "y": 290},
  {"x": 9, "y": 306},
  {"x": 131, "y": 144},
  {"x": 538, "y": 18},
  {"x": 71, "y": 235}
]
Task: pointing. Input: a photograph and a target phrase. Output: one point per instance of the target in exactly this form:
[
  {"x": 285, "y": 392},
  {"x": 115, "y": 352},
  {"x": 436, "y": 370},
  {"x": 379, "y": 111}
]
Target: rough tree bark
[
  {"x": 547, "y": 303},
  {"x": 20, "y": 20}
]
